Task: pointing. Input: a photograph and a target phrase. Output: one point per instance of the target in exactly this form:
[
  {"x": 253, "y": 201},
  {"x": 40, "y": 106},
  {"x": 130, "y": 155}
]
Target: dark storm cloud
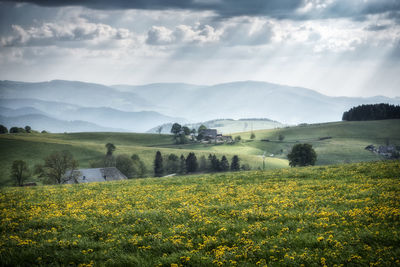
[{"x": 224, "y": 8}]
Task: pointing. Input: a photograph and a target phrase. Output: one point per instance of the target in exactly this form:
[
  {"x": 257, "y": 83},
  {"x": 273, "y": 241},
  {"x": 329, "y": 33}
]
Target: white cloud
[
  {"x": 159, "y": 35},
  {"x": 76, "y": 30},
  {"x": 183, "y": 34}
]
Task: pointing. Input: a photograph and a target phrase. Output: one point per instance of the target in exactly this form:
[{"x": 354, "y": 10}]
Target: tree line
[
  {"x": 26, "y": 129},
  {"x": 172, "y": 164},
  {"x": 372, "y": 112}
]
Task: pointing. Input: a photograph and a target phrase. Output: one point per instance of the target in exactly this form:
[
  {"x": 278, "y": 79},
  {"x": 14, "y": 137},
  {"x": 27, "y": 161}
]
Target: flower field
[{"x": 317, "y": 216}]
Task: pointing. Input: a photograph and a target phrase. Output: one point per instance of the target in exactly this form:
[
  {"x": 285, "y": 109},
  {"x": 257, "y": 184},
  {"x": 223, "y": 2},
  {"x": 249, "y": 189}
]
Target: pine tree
[
  {"x": 235, "y": 164},
  {"x": 158, "y": 165},
  {"x": 215, "y": 164},
  {"x": 224, "y": 164},
  {"x": 191, "y": 163}
]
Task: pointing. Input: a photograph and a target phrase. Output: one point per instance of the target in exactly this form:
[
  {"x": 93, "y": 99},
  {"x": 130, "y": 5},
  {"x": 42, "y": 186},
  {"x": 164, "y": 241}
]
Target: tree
[
  {"x": 182, "y": 165},
  {"x": 158, "y": 165},
  {"x": 19, "y": 171},
  {"x": 109, "y": 159},
  {"x": 191, "y": 163},
  {"x": 201, "y": 128},
  {"x": 17, "y": 130},
  {"x": 139, "y": 166},
  {"x": 235, "y": 164},
  {"x": 125, "y": 165},
  {"x": 372, "y": 112},
  {"x": 281, "y": 137},
  {"x": 172, "y": 165},
  {"x": 224, "y": 164},
  {"x": 186, "y": 130},
  {"x": 238, "y": 138},
  {"x": 58, "y": 167},
  {"x": 252, "y": 135},
  {"x": 159, "y": 129},
  {"x": 176, "y": 128},
  {"x": 302, "y": 155},
  {"x": 28, "y": 129},
  {"x": 110, "y": 149},
  {"x": 214, "y": 163},
  {"x": 178, "y": 133},
  {"x": 3, "y": 129}
]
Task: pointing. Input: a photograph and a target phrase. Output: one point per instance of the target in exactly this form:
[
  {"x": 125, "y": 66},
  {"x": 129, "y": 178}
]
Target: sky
[{"x": 336, "y": 47}]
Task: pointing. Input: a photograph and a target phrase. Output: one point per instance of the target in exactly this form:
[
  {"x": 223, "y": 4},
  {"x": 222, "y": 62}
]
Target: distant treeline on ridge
[{"x": 372, "y": 112}]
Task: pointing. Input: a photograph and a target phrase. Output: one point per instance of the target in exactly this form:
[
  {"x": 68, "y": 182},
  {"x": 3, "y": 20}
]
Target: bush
[
  {"x": 302, "y": 155},
  {"x": 3, "y": 129}
]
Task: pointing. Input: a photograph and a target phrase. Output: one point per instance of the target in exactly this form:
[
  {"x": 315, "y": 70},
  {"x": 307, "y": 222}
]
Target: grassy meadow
[
  {"x": 347, "y": 143},
  {"x": 33, "y": 148},
  {"x": 339, "y": 215}
]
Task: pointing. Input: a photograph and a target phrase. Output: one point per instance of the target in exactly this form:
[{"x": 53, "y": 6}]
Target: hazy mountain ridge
[
  {"x": 75, "y": 93},
  {"x": 286, "y": 104},
  {"x": 40, "y": 122},
  {"x": 105, "y": 117},
  {"x": 142, "y": 107}
]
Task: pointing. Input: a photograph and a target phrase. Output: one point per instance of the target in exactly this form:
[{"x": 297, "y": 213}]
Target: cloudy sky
[{"x": 337, "y": 47}]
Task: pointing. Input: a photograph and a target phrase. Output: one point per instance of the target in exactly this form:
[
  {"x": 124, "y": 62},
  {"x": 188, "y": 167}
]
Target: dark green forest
[{"x": 372, "y": 112}]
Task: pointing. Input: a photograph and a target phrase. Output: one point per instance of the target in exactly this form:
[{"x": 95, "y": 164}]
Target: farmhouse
[
  {"x": 95, "y": 175},
  {"x": 209, "y": 133}
]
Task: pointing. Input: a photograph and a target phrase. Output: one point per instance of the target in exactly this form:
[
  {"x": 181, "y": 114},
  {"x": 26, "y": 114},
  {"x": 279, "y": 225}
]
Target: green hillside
[
  {"x": 347, "y": 140},
  {"x": 90, "y": 146},
  {"x": 346, "y": 144},
  {"x": 340, "y": 215}
]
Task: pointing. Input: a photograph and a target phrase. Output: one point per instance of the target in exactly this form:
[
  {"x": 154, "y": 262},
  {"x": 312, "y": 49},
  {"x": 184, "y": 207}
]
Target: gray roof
[
  {"x": 209, "y": 133},
  {"x": 95, "y": 175}
]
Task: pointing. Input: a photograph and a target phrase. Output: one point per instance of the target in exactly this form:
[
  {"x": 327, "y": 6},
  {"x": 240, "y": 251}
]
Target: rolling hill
[
  {"x": 226, "y": 126},
  {"x": 347, "y": 143}
]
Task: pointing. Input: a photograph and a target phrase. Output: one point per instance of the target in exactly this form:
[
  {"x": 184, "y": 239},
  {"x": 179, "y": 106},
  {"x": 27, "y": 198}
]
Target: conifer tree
[{"x": 158, "y": 165}]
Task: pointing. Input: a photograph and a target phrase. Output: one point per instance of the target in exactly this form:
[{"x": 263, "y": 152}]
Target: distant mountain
[
  {"x": 252, "y": 99},
  {"x": 226, "y": 126},
  {"x": 75, "y": 93},
  {"x": 102, "y": 116},
  {"x": 9, "y": 112},
  {"x": 132, "y": 121},
  {"x": 169, "y": 102},
  {"x": 40, "y": 122},
  {"x": 167, "y": 98}
]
